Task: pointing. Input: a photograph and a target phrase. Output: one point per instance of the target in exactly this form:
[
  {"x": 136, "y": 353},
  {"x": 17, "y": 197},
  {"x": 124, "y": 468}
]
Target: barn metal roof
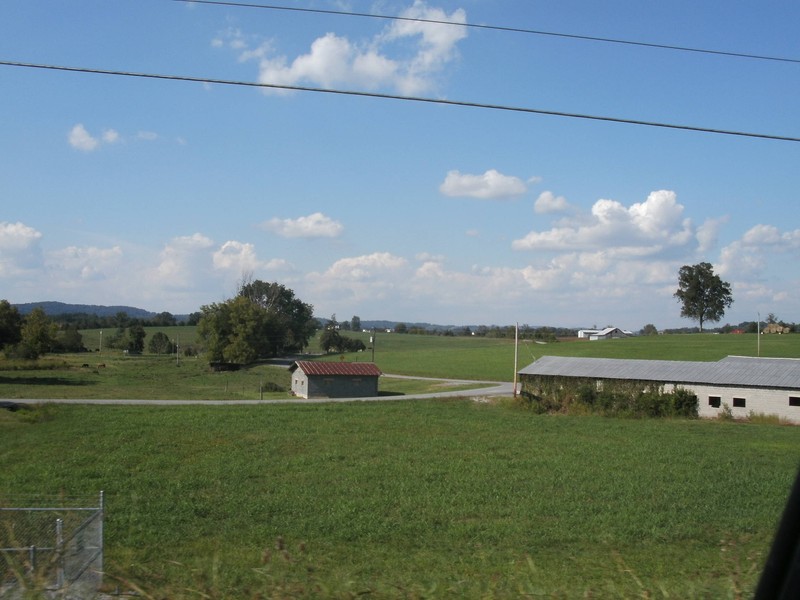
[
  {"x": 337, "y": 368},
  {"x": 733, "y": 370}
]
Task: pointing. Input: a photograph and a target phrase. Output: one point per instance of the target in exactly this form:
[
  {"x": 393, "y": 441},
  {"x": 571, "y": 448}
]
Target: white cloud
[
  {"x": 315, "y": 225},
  {"x": 111, "y": 136},
  {"x": 708, "y": 233},
  {"x": 761, "y": 247},
  {"x": 648, "y": 228},
  {"x": 17, "y": 236},
  {"x": 84, "y": 264},
  {"x": 491, "y": 185},
  {"x": 548, "y": 203},
  {"x": 366, "y": 267},
  {"x": 80, "y": 139},
  {"x": 19, "y": 248},
  {"x": 182, "y": 257},
  {"x": 422, "y": 50},
  {"x": 236, "y": 257}
]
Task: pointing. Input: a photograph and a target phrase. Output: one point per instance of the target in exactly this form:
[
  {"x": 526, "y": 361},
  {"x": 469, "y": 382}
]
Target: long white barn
[{"x": 760, "y": 385}]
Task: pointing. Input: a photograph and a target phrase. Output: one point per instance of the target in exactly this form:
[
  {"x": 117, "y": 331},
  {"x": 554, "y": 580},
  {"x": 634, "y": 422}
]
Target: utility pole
[
  {"x": 758, "y": 335},
  {"x": 372, "y": 339},
  {"x": 516, "y": 356}
]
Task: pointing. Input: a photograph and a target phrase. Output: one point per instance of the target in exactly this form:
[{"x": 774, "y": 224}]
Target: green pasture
[
  {"x": 493, "y": 359},
  {"x": 426, "y": 499},
  {"x": 111, "y": 374}
]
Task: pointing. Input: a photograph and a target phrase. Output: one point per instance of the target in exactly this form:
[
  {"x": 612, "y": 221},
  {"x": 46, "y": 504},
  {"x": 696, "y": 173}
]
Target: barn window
[
  {"x": 739, "y": 402},
  {"x": 714, "y": 401},
  {"x": 794, "y": 401}
]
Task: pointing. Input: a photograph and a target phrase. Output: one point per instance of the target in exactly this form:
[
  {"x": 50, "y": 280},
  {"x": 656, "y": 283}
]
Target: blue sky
[{"x": 162, "y": 194}]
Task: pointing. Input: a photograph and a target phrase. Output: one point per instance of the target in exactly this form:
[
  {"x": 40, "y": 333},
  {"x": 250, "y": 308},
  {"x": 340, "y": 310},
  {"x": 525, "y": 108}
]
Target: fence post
[
  {"x": 32, "y": 558},
  {"x": 102, "y": 519},
  {"x": 60, "y": 553}
]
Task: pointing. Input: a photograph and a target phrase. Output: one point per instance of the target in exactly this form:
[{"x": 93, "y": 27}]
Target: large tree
[
  {"x": 264, "y": 319},
  {"x": 38, "y": 335},
  {"x": 293, "y": 317},
  {"x": 702, "y": 294}
]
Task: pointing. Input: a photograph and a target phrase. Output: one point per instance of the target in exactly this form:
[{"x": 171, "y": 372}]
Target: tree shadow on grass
[{"x": 43, "y": 381}]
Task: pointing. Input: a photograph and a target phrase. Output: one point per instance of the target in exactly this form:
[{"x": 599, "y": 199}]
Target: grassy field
[
  {"x": 110, "y": 374},
  {"x": 424, "y": 499},
  {"x": 493, "y": 359}
]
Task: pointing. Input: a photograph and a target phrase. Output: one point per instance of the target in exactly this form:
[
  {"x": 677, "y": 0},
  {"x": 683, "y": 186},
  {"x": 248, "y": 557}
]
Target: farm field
[
  {"x": 493, "y": 359},
  {"x": 431, "y": 499},
  {"x": 110, "y": 374},
  {"x": 410, "y": 500}
]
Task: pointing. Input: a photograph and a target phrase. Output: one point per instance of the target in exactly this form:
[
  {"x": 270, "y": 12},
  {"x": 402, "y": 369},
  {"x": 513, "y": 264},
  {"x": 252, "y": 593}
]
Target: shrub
[
  {"x": 685, "y": 403},
  {"x": 726, "y": 413}
]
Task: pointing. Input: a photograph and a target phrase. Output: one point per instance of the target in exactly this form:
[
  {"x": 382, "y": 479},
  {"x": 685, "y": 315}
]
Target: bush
[
  {"x": 612, "y": 398},
  {"x": 685, "y": 403}
]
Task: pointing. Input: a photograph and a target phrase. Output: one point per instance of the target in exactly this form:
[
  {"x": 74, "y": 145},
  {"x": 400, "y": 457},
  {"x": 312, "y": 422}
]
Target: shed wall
[
  {"x": 338, "y": 386},
  {"x": 757, "y": 400}
]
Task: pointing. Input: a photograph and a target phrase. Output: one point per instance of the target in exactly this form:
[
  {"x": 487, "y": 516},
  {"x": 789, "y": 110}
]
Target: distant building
[
  {"x": 312, "y": 379},
  {"x": 744, "y": 384},
  {"x": 603, "y": 334}
]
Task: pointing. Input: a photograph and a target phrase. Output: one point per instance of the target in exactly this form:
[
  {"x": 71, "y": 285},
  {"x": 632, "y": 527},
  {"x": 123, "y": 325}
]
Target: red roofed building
[{"x": 312, "y": 379}]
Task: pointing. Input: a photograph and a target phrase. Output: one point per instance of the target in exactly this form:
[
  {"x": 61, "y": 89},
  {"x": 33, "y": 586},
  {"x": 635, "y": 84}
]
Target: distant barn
[
  {"x": 609, "y": 333},
  {"x": 312, "y": 379}
]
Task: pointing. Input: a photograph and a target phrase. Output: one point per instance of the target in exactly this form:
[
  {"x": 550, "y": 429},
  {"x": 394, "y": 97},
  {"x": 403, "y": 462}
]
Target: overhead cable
[
  {"x": 572, "y": 36},
  {"x": 500, "y": 107}
]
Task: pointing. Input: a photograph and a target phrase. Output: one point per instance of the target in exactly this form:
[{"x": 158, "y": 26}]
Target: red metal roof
[{"x": 337, "y": 368}]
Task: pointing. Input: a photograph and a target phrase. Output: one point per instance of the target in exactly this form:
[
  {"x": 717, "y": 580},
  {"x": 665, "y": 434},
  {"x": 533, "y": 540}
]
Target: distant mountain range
[{"x": 53, "y": 309}]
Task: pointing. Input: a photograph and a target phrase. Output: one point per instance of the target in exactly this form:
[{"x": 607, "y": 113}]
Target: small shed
[{"x": 312, "y": 379}]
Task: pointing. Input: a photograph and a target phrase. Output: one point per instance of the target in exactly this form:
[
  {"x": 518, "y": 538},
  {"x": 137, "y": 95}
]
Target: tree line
[{"x": 35, "y": 334}]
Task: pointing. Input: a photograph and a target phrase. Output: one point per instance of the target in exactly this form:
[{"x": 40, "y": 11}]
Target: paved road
[{"x": 482, "y": 389}]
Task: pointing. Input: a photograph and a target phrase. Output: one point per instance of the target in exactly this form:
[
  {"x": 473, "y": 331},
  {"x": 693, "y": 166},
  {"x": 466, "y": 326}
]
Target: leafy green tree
[
  {"x": 135, "y": 339},
  {"x": 264, "y": 319},
  {"x": 401, "y": 328},
  {"x": 293, "y": 323},
  {"x": 355, "y": 323},
  {"x": 702, "y": 294},
  {"x": 330, "y": 340},
  {"x": 37, "y": 336},
  {"x": 160, "y": 344},
  {"x": 10, "y": 324},
  {"x": 163, "y": 319},
  {"x": 69, "y": 339},
  {"x": 649, "y": 329}
]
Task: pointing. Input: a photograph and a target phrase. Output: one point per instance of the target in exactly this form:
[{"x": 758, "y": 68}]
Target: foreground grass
[{"x": 422, "y": 499}]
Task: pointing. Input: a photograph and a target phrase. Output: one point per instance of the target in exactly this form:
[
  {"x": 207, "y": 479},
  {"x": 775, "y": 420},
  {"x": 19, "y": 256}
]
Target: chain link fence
[{"x": 54, "y": 551}]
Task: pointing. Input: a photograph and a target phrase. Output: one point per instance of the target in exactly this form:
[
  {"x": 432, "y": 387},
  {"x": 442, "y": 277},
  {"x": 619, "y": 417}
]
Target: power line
[
  {"x": 572, "y": 36},
  {"x": 500, "y": 107}
]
